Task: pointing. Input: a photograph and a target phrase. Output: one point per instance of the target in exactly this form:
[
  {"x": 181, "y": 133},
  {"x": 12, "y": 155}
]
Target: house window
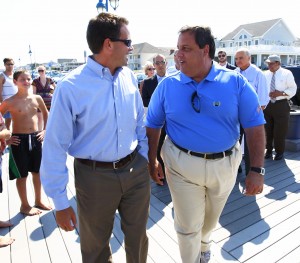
[
  {"x": 249, "y": 43},
  {"x": 240, "y": 44},
  {"x": 240, "y": 37},
  {"x": 245, "y": 36},
  {"x": 230, "y": 44},
  {"x": 256, "y": 42}
]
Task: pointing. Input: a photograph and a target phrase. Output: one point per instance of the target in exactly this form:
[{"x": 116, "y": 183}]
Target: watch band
[{"x": 259, "y": 170}]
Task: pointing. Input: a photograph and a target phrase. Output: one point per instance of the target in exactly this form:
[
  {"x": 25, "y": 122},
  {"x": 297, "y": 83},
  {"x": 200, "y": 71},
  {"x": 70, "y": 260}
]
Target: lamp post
[
  {"x": 101, "y": 7},
  {"x": 31, "y": 66}
]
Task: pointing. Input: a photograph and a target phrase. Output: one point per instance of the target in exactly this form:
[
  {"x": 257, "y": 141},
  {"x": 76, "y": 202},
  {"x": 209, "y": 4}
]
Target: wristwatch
[{"x": 259, "y": 170}]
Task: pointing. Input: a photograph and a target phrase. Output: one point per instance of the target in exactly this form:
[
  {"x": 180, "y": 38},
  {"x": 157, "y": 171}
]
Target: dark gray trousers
[
  {"x": 277, "y": 117},
  {"x": 100, "y": 192}
]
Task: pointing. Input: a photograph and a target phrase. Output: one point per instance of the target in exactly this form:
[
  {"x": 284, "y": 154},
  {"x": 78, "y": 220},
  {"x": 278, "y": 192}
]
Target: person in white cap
[{"x": 277, "y": 113}]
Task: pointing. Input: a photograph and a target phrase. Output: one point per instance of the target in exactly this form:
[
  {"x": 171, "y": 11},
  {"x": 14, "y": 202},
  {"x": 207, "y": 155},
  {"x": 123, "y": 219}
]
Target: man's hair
[
  {"x": 246, "y": 51},
  {"x": 101, "y": 27},
  {"x": 158, "y": 55},
  {"x": 19, "y": 72},
  {"x": 221, "y": 52},
  {"x": 7, "y": 60},
  {"x": 203, "y": 36}
]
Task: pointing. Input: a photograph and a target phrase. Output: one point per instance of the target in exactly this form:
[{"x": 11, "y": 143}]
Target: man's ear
[{"x": 107, "y": 44}]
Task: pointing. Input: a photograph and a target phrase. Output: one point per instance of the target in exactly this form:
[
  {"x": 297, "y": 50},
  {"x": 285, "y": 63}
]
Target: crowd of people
[{"x": 121, "y": 137}]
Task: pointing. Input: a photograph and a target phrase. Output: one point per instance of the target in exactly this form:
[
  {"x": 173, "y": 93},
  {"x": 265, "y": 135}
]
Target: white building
[{"x": 262, "y": 39}]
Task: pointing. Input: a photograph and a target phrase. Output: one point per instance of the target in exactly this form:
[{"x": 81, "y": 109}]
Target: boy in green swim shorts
[{"x": 26, "y": 141}]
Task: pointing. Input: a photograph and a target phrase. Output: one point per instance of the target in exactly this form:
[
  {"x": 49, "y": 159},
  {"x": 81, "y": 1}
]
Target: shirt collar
[
  {"x": 98, "y": 68},
  {"x": 212, "y": 74}
]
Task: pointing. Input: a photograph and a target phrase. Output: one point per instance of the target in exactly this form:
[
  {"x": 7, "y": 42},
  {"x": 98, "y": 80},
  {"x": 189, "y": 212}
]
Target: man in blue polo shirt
[{"x": 202, "y": 107}]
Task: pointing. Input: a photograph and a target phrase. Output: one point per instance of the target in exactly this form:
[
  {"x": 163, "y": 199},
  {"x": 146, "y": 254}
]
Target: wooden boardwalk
[{"x": 265, "y": 228}]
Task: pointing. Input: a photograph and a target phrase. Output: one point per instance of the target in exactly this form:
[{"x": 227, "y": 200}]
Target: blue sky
[{"x": 56, "y": 28}]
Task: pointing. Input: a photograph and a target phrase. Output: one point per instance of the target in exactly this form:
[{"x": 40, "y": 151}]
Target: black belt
[
  {"x": 278, "y": 101},
  {"x": 209, "y": 156},
  {"x": 113, "y": 165}
]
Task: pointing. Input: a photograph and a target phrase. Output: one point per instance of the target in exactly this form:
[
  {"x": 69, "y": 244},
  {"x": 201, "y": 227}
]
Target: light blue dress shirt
[
  {"x": 226, "y": 99},
  {"x": 95, "y": 116},
  {"x": 258, "y": 81}
]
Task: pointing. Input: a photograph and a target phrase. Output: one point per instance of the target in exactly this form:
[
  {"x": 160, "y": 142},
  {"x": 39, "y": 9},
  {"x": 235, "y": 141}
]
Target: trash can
[{"x": 294, "y": 125}]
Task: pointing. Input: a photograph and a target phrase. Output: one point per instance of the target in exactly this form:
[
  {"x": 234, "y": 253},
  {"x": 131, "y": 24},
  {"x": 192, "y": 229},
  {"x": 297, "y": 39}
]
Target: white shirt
[{"x": 284, "y": 81}]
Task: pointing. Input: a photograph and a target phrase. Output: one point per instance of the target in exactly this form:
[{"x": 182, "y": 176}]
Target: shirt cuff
[{"x": 61, "y": 203}]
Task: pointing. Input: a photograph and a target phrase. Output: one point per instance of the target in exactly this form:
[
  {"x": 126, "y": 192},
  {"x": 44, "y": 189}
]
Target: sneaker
[
  {"x": 268, "y": 155},
  {"x": 205, "y": 257},
  {"x": 278, "y": 156}
]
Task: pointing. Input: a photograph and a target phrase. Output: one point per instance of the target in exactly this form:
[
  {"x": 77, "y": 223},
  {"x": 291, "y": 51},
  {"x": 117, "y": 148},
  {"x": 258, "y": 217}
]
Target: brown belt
[{"x": 112, "y": 165}]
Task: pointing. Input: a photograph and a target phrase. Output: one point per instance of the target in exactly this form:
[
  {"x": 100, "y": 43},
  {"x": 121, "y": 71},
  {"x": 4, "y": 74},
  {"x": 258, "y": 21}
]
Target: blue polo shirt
[{"x": 226, "y": 100}]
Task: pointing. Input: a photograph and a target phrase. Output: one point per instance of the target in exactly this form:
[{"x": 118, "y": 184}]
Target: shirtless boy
[{"x": 26, "y": 141}]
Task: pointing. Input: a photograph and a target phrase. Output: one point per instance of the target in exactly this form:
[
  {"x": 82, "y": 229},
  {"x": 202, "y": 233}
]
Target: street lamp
[
  {"x": 101, "y": 7},
  {"x": 30, "y": 53}
]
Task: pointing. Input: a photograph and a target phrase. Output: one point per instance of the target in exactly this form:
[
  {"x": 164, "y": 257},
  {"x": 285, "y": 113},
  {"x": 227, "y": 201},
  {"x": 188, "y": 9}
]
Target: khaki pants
[
  {"x": 100, "y": 192},
  {"x": 199, "y": 190}
]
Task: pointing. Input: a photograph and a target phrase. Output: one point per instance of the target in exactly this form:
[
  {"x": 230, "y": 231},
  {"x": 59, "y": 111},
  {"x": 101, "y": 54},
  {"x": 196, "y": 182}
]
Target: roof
[
  {"x": 255, "y": 29},
  {"x": 148, "y": 48}
]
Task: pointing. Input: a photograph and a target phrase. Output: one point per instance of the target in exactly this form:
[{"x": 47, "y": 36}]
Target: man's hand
[
  {"x": 66, "y": 219},
  {"x": 254, "y": 184},
  {"x": 156, "y": 172}
]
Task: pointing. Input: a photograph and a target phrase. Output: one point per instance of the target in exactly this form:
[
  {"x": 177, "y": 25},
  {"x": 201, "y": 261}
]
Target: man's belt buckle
[{"x": 115, "y": 164}]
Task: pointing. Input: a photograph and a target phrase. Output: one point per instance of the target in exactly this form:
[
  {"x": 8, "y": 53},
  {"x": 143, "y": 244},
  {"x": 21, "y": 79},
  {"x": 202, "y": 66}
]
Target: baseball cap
[{"x": 273, "y": 58}]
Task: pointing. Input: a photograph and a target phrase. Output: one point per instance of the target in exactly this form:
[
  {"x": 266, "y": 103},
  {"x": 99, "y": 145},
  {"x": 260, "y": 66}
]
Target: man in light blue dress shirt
[
  {"x": 258, "y": 81},
  {"x": 97, "y": 117}
]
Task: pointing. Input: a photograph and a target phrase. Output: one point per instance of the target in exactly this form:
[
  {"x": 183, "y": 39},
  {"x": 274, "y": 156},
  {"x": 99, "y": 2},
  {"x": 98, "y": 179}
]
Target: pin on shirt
[{"x": 217, "y": 103}]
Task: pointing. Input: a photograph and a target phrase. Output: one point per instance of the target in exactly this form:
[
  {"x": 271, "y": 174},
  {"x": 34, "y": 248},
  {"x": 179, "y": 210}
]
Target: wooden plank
[
  {"x": 288, "y": 185},
  {"x": 54, "y": 239},
  {"x": 285, "y": 245},
  {"x": 280, "y": 224},
  {"x": 293, "y": 256}
]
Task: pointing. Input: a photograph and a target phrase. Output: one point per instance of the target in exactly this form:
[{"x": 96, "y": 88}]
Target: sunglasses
[
  {"x": 9, "y": 64},
  {"x": 150, "y": 68},
  {"x": 127, "y": 42},
  {"x": 41, "y": 70},
  {"x": 160, "y": 62},
  {"x": 221, "y": 56},
  {"x": 196, "y": 102}
]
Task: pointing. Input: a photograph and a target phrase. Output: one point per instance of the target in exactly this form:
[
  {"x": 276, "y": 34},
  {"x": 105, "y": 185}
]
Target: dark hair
[
  {"x": 19, "y": 72},
  {"x": 221, "y": 52},
  {"x": 103, "y": 26},
  {"x": 7, "y": 60},
  {"x": 203, "y": 37}
]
